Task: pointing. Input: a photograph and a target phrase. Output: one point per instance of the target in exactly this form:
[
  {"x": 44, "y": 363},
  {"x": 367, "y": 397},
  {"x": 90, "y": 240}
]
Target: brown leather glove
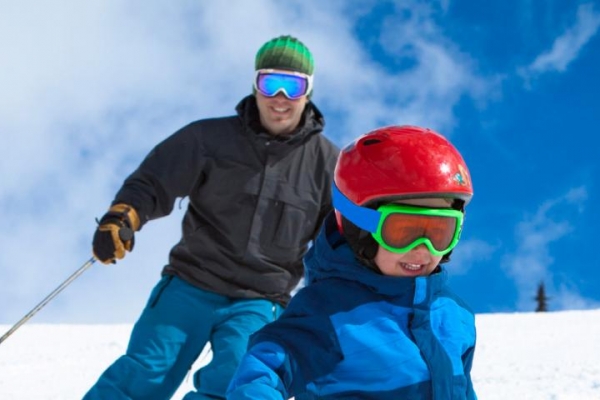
[{"x": 115, "y": 233}]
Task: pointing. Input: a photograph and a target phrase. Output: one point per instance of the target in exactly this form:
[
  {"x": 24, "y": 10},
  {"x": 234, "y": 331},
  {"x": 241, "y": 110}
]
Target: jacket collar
[{"x": 312, "y": 121}]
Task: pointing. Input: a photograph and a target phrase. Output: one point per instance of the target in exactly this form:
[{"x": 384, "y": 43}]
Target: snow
[{"x": 554, "y": 355}]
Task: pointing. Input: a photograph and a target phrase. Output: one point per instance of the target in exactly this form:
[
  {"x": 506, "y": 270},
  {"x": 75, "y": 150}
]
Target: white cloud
[
  {"x": 567, "y": 298},
  {"x": 532, "y": 262},
  {"x": 468, "y": 253},
  {"x": 566, "y": 47},
  {"x": 431, "y": 77}
]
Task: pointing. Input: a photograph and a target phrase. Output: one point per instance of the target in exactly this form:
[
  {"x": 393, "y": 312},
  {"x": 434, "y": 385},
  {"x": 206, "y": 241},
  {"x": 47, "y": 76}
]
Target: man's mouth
[{"x": 280, "y": 110}]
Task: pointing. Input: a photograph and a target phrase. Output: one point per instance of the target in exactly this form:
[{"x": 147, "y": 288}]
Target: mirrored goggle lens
[
  {"x": 401, "y": 230},
  {"x": 292, "y": 86}
]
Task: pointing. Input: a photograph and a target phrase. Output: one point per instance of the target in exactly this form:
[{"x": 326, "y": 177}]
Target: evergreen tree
[{"x": 541, "y": 298}]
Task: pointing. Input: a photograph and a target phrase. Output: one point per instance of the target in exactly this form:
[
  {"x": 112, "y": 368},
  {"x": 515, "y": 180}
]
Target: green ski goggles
[{"x": 400, "y": 228}]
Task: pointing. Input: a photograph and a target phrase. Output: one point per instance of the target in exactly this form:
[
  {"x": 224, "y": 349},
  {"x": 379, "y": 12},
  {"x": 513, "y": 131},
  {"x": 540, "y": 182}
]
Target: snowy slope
[{"x": 528, "y": 356}]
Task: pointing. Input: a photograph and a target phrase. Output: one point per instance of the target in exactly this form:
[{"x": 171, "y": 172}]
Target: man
[{"x": 259, "y": 187}]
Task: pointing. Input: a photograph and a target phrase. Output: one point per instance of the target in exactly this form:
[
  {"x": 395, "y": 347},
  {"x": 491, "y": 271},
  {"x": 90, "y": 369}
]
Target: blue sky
[{"x": 88, "y": 88}]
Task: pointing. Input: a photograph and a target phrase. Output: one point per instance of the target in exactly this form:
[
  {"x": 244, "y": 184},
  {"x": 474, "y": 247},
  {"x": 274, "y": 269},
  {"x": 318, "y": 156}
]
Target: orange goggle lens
[
  {"x": 402, "y": 227},
  {"x": 401, "y": 230}
]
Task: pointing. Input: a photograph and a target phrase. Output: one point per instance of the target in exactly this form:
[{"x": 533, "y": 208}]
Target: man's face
[{"x": 280, "y": 115}]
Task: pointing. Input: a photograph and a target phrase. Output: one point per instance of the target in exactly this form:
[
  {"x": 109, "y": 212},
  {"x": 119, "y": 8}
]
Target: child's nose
[{"x": 421, "y": 249}]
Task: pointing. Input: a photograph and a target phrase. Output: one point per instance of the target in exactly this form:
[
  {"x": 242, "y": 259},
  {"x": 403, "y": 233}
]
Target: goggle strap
[{"x": 365, "y": 218}]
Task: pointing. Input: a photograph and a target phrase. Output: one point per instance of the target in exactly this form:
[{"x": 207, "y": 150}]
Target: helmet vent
[{"x": 369, "y": 142}]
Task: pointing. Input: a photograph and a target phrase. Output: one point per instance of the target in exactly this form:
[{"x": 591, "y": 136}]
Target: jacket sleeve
[
  {"x": 262, "y": 374},
  {"x": 168, "y": 172},
  {"x": 287, "y": 354}
]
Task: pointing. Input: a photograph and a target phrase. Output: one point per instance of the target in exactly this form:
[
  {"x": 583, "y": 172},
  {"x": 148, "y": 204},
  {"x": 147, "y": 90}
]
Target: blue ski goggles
[{"x": 293, "y": 85}]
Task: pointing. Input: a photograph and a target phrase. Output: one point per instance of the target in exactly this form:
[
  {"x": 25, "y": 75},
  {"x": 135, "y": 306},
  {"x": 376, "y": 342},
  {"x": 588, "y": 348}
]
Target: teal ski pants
[{"x": 177, "y": 322}]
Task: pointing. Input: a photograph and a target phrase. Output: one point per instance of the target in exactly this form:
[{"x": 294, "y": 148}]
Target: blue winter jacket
[{"x": 353, "y": 333}]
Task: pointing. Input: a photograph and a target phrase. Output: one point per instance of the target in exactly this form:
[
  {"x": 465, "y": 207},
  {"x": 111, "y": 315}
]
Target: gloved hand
[{"x": 115, "y": 233}]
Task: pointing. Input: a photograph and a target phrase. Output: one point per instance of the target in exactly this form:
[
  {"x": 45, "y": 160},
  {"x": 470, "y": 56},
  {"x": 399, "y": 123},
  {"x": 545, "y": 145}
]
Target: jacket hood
[{"x": 332, "y": 257}]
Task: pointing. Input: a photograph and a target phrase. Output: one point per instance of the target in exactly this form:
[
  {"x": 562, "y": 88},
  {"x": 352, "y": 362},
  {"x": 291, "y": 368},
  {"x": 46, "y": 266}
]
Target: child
[{"x": 376, "y": 320}]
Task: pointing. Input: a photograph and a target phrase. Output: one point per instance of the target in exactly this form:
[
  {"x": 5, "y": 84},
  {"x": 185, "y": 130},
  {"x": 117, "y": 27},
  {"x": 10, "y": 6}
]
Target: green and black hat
[{"x": 287, "y": 53}]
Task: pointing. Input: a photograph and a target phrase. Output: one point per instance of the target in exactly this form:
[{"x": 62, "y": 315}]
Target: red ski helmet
[
  {"x": 402, "y": 162},
  {"x": 394, "y": 163}
]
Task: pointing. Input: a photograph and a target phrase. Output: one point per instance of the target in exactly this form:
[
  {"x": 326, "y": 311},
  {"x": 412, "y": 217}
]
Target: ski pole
[
  {"x": 125, "y": 234},
  {"x": 48, "y": 298}
]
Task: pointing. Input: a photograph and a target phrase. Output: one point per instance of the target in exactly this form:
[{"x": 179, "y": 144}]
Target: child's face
[{"x": 418, "y": 261}]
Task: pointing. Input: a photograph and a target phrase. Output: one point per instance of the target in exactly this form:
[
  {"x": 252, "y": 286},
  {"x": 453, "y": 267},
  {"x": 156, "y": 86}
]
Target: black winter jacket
[{"x": 255, "y": 200}]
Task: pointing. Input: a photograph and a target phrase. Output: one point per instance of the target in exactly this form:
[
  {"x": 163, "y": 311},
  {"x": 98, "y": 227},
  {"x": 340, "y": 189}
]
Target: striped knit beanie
[{"x": 287, "y": 53}]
